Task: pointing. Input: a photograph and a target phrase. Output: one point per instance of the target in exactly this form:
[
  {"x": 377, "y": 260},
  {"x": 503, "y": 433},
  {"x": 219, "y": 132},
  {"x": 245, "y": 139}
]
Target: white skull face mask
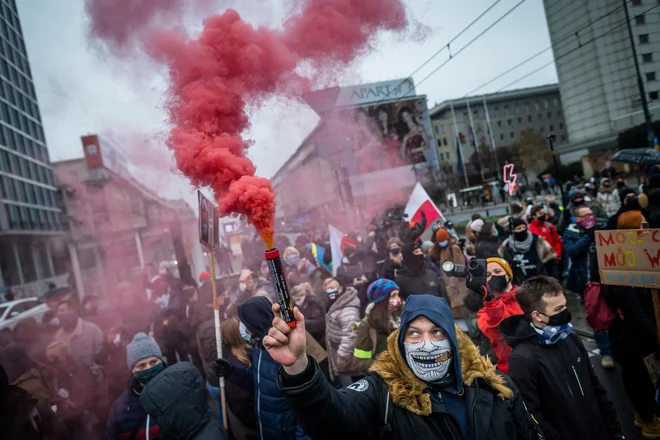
[{"x": 429, "y": 360}]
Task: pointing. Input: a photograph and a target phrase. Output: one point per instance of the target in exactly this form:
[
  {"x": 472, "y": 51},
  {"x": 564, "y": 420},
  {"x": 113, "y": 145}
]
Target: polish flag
[
  {"x": 421, "y": 202},
  {"x": 338, "y": 242}
]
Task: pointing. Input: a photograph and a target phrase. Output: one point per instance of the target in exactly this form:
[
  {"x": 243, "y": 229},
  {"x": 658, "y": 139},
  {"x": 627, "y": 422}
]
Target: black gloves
[{"x": 223, "y": 368}]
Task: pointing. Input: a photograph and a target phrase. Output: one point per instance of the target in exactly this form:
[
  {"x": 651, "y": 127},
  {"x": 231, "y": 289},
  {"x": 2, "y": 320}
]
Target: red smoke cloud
[{"x": 230, "y": 65}]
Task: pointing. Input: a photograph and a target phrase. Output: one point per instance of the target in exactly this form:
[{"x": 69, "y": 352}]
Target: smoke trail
[{"x": 231, "y": 65}]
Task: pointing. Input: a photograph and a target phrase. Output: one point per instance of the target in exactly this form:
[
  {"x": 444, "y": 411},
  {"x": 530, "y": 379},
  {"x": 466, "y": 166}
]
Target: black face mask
[
  {"x": 578, "y": 202},
  {"x": 498, "y": 283},
  {"x": 416, "y": 263},
  {"x": 541, "y": 218},
  {"x": 561, "y": 318},
  {"x": 521, "y": 236},
  {"x": 620, "y": 185}
]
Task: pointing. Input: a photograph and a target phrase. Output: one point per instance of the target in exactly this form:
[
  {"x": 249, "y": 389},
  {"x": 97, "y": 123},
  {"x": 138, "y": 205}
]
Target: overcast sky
[{"x": 80, "y": 92}]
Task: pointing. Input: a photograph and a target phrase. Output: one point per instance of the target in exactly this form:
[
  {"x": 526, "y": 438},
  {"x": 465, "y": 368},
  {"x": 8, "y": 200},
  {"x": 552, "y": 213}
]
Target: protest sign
[
  {"x": 629, "y": 257},
  {"x": 207, "y": 222}
]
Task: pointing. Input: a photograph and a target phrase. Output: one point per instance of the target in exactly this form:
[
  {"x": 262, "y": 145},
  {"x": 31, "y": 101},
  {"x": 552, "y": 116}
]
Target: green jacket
[{"x": 364, "y": 344}]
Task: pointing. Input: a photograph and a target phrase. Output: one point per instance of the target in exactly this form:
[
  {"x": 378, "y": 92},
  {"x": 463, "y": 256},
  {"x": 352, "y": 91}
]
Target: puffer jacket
[
  {"x": 340, "y": 338},
  {"x": 126, "y": 412},
  {"x": 495, "y": 410},
  {"x": 609, "y": 200},
  {"x": 177, "y": 400},
  {"x": 275, "y": 420}
]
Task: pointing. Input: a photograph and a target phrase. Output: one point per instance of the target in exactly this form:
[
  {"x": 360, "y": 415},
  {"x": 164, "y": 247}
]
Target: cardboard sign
[
  {"x": 629, "y": 257},
  {"x": 207, "y": 222},
  {"x": 314, "y": 349}
]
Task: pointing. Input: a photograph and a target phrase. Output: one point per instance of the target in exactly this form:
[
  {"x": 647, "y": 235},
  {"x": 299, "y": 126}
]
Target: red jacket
[
  {"x": 490, "y": 316},
  {"x": 549, "y": 232}
]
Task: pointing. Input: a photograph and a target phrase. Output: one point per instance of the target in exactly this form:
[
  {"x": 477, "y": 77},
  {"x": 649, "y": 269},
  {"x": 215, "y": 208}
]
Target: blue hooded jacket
[{"x": 438, "y": 312}]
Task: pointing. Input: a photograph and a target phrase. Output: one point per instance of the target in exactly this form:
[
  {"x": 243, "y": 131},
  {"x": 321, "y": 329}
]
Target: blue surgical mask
[
  {"x": 244, "y": 333},
  {"x": 443, "y": 243},
  {"x": 496, "y": 233}
]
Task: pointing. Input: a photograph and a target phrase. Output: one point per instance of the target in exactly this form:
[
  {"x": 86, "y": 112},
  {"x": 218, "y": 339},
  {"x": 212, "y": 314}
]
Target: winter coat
[
  {"x": 314, "y": 314},
  {"x": 456, "y": 288},
  {"x": 365, "y": 351},
  {"x": 177, "y": 400},
  {"x": 609, "y": 201},
  {"x": 275, "y": 420},
  {"x": 23, "y": 418},
  {"x": 389, "y": 268},
  {"x": 495, "y": 410},
  {"x": 487, "y": 247},
  {"x": 126, "y": 413},
  {"x": 491, "y": 316},
  {"x": 549, "y": 233},
  {"x": 343, "y": 314},
  {"x": 411, "y": 283},
  {"x": 578, "y": 245},
  {"x": 559, "y": 385},
  {"x": 532, "y": 262}
]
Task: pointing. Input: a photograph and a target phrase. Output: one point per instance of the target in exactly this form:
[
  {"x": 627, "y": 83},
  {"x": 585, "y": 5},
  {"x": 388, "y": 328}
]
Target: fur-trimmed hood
[{"x": 409, "y": 392}]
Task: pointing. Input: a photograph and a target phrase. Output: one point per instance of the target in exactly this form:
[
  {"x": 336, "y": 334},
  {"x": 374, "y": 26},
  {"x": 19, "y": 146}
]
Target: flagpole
[
  {"x": 458, "y": 144},
  {"x": 474, "y": 139},
  {"x": 493, "y": 147}
]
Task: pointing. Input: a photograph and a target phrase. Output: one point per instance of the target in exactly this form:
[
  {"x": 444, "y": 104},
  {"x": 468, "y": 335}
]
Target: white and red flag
[
  {"x": 338, "y": 242},
  {"x": 419, "y": 203}
]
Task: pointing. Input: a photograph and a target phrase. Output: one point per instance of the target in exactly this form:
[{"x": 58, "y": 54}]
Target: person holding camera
[
  {"x": 551, "y": 367},
  {"x": 431, "y": 383},
  {"x": 499, "y": 296}
]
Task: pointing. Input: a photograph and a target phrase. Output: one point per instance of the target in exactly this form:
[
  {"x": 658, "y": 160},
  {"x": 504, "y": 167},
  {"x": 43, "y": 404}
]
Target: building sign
[
  {"x": 375, "y": 93},
  {"x": 629, "y": 257}
]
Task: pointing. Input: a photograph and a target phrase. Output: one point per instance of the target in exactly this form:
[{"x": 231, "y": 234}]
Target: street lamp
[{"x": 555, "y": 160}]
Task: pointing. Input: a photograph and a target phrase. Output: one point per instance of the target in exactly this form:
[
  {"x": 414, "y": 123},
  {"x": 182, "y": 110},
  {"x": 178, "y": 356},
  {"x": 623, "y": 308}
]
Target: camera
[{"x": 474, "y": 272}]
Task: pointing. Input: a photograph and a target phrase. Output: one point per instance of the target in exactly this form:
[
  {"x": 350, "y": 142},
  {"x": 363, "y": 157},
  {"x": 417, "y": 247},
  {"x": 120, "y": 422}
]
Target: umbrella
[{"x": 638, "y": 156}]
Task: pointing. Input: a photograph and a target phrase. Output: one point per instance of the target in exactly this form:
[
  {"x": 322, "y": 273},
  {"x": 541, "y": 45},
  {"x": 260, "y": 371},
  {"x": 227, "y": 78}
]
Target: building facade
[
  {"x": 29, "y": 208},
  {"x": 117, "y": 229},
  {"x": 597, "y": 78},
  {"x": 537, "y": 108}
]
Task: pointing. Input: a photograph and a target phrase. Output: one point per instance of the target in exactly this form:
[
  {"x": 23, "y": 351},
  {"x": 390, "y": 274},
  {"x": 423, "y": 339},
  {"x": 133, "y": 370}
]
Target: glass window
[
  {"x": 501, "y": 137},
  {"x": 34, "y": 175},
  {"x": 42, "y": 175},
  {"x": 30, "y": 193},
  {"x": 499, "y": 123},
  {"x": 38, "y": 196},
  {"x": 636, "y": 2},
  {"x": 542, "y": 129},
  {"x": 511, "y": 135},
  {"x": 43, "y": 255},
  {"x": 42, "y": 219},
  {"x": 529, "y": 118},
  {"x": 508, "y": 122},
  {"x": 4, "y": 112},
  {"x": 552, "y": 128},
  {"x": 647, "y": 57},
  {"x": 13, "y": 163},
  {"x": 640, "y": 19},
  {"x": 27, "y": 262},
  {"x": 650, "y": 76},
  {"x": 643, "y": 38},
  {"x": 4, "y": 161},
  {"x": 7, "y": 188},
  {"x": 540, "y": 116},
  {"x": 653, "y": 95},
  {"x": 549, "y": 115},
  {"x": 10, "y": 272},
  {"x": 20, "y": 190}
]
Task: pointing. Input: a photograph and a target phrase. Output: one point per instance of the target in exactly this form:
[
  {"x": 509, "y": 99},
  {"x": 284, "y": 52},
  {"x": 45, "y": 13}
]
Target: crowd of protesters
[{"x": 387, "y": 344}]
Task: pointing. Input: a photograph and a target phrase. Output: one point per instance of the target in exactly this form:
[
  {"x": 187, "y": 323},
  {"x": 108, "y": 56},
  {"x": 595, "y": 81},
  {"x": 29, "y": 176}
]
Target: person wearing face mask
[
  {"x": 487, "y": 241},
  {"x": 629, "y": 202},
  {"x": 394, "y": 259},
  {"x": 378, "y": 323},
  {"x": 525, "y": 252},
  {"x": 551, "y": 367},
  {"x": 128, "y": 419},
  {"x": 446, "y": 249},
  {"x": 275, "y": 420},
  {"x": 354, "y": 272},
  {"x": 431, "y": 383},
  {"x": 414, "y": 278},
  {"x": 302, "y": 296},
  {"x": 541, "y": 227},
  {"x": 499, "y": 303},
  {"x": 608, "y": 197},
  {"x": 291, "y": 259},
  {"x": 83, "y": 338},
  {"x": 343, "y": 314}
]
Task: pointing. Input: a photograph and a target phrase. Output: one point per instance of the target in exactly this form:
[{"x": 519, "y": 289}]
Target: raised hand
[{"x": 287, "y": 345}]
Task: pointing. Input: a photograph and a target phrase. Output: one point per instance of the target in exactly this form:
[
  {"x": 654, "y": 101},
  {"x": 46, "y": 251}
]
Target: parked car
[{"x": 12, "y": 312}]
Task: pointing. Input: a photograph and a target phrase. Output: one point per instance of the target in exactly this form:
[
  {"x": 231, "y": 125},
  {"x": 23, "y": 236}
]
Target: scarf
[{"x": 521, "y": 246}]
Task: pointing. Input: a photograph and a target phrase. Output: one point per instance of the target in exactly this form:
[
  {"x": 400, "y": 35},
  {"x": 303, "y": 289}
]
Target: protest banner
[{"x": 629, "y": 257}]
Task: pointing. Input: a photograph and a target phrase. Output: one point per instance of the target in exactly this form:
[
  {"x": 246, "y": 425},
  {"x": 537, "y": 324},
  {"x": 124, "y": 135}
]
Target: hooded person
[
  {"x": 414, "y": 278},
  {"x": 499, "y": 303},
  {"x": 431, "y": 383},
  {"x": 552, "y": 368},
  {"x": 275, "y": 420},
  {"x": 177, "y": 401},
  {"x": 525, "y": 252},
  {"x": 127, "y": 417}
]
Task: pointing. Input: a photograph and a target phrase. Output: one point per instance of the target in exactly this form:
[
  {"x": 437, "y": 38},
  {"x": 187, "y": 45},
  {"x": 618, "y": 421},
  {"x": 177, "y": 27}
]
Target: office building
[
  {"x": 597, "y": 79},
  {"x": 29, "y": 211}
]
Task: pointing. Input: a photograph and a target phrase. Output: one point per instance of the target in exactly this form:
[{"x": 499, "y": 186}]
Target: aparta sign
[{"x": 629, "y": 257}]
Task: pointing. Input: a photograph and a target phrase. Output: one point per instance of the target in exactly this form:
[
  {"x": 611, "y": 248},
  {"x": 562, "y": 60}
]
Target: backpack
[{"x": 598, "y": 314}]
